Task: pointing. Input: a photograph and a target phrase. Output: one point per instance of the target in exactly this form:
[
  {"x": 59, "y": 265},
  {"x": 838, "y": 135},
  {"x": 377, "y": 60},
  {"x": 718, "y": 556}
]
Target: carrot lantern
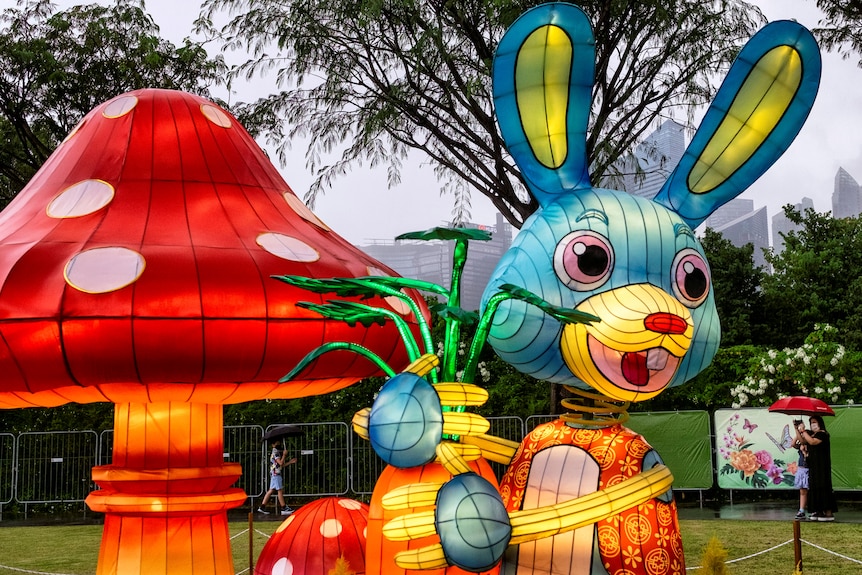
[{"x": 135, "y": 268}]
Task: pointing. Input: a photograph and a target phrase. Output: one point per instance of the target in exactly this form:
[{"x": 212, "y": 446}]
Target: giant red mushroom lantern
[{"x": 135, "y": 268}]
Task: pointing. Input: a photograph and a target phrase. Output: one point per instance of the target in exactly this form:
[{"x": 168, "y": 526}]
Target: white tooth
[{"x": 657, "y": 358}]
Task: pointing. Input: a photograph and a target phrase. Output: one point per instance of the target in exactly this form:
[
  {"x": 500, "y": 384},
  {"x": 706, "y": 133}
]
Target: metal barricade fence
[
  {"x": 322, "y": 465},
  {"x": 7, "y": 467},
  {"x": 54, "y": 467},
  {"x": 511, "y": 428},
  {"x": 57, "y": 466},
  {"x": 106, "y": 447},
  {"x": 366, "y": 467},
  {"x": 244, "y": 444},
  {"x": 534, "y": 421}
]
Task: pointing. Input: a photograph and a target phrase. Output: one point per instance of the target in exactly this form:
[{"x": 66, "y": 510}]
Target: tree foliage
[
  {"x": 821, "y": 367},
  {"x": 841, "y": 28},
  {"x": 370, "y": 80},
  {"x": 56, "y": 66},
  {"x": 736, "y": 282},
  {"x": 816, "y": 279}
]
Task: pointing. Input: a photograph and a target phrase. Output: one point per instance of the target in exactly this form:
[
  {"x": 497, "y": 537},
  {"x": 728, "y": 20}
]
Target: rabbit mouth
[{"x": 642, "y": 371}]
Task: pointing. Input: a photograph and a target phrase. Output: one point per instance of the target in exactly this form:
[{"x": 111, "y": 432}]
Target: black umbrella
[{"x": 287, "y": 430}]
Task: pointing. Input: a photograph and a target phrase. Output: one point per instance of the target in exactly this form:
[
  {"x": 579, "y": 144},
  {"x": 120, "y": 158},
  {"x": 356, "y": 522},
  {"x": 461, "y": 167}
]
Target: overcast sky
[{"x": 361, "y": 208}]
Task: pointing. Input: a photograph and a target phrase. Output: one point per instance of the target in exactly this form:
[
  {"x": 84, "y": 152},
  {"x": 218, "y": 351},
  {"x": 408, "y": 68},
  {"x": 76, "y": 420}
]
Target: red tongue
[{"x": 634, "y": 368}]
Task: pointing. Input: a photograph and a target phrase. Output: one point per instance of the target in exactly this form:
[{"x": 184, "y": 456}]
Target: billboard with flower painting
[{"x": 754, "y": 448}]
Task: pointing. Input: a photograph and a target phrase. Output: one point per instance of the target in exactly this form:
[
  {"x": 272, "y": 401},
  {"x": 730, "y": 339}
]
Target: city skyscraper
[
  {"x": 738, "y": 222},
  {"x": 729, "y": 212},
  {"x": 656, "y": 156},
  {"x": 846, "y": 197},
  {"x": 782, "y": 225}
]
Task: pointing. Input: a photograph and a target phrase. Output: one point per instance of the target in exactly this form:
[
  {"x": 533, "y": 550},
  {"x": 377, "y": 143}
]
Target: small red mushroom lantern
[
  {"x": 316, "y": 538},
  {"x": 136, "y": 268}
]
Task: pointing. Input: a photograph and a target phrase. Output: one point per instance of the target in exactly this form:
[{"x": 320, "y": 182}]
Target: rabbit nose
[{"x": 663, "y": 322}]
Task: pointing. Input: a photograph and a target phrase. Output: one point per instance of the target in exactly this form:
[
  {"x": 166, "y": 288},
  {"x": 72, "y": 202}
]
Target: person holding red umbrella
[{"x": 821, "y": 498}]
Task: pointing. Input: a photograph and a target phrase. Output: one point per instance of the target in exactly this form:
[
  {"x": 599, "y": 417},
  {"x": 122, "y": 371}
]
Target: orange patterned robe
[{"x": 557, "y": 462}]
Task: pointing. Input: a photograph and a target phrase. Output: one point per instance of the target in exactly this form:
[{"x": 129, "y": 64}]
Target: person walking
[
  {"x": 277, "y": 464},
  {"x": 821, "y": 498}
]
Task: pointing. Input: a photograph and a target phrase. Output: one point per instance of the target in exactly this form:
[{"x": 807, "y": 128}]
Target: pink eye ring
[
  {"x": 690, "y": 278},
  {"x": 584, "y": 260}
]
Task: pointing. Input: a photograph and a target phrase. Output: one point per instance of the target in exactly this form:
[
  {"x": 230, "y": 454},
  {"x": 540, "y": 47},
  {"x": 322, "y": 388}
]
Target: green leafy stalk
[
  {"x": 342, "y": 287},
  {"x": 334, "y": 346},
  {"x": 453, "y": 324},
  {"x": 370, "y": 286},
  {"x": 453, "y": 320},
  {"x": 351, "y": 313},
  {"x": 390, "y": 291},
  {"x": 408, "y": 283}
]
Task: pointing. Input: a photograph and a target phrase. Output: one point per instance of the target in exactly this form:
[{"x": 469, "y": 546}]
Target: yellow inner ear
[
  {"x": 542, "y": 73},
  {"x": 756, "y": 110}
]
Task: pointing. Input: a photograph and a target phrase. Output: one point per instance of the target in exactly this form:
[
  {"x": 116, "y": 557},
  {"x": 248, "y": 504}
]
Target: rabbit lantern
[
  {"x": 634, "y": 262},
  {"x": 606, "y": 293}
]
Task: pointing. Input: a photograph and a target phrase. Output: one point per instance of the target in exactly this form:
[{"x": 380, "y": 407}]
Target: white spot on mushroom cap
[
  {"x": 302, "y": 210},
  {"x": 331, "y": 528},
  {"x": 288, "y": 248},
  {"x": 81, "y": 199},
  {"x": 216, "y": 116},
  {"x": 119, "y": 106},
  {"x": 351, "y": 504},
  {"x": 102, "y": 270},
  {"x": 285, "y": 523},
  {"x": 282, "y": 567},
  {"x": 397, "y": 304}
]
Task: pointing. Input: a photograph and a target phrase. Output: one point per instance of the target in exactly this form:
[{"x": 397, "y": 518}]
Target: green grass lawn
[{"x": 73, "y": 549}]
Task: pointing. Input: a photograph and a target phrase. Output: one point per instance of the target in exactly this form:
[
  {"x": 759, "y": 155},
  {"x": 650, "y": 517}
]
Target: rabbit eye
[
  {"x": 690, "y": 278},
  {"x": 583, "y": 260}
]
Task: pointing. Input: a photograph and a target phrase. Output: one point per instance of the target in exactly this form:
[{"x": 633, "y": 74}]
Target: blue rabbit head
[{"x": 634, "y": 262}]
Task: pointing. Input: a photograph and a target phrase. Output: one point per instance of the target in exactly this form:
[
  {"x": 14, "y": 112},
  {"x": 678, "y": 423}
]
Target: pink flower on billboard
[{"x": 764, "y": 458}]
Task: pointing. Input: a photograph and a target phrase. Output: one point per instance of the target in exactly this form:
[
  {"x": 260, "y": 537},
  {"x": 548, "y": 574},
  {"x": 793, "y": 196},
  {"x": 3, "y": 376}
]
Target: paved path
[{"x": 848, "y": 511}]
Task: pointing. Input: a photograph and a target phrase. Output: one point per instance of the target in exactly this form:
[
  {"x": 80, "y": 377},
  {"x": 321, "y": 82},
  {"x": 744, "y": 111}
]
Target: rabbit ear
[
  {"x": 543, "y": 77},
  {"x": 757, "y": 113}
]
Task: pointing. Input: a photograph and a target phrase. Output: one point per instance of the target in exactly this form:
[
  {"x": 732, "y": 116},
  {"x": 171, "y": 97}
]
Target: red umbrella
[{"x": 801, "y": 405}]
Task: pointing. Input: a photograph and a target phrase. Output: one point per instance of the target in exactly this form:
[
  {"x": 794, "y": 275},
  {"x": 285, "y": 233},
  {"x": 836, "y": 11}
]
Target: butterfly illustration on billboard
[{"x": 785, "y": 441}]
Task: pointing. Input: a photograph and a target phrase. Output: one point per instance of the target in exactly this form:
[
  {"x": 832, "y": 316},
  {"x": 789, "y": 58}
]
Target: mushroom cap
[
  {"x": 310, "y": 541},
  {"x": 136, "y": 267}
]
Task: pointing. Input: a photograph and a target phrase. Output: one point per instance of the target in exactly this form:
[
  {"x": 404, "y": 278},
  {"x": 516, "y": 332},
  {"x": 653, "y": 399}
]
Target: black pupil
[
  {"x": 695, "y": 283},
  {"x": 594, "y": 261}
]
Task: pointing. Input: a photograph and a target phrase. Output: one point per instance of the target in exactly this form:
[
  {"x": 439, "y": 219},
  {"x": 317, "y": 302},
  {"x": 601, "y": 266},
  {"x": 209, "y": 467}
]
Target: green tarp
[{"x": 682, "y": 439}]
